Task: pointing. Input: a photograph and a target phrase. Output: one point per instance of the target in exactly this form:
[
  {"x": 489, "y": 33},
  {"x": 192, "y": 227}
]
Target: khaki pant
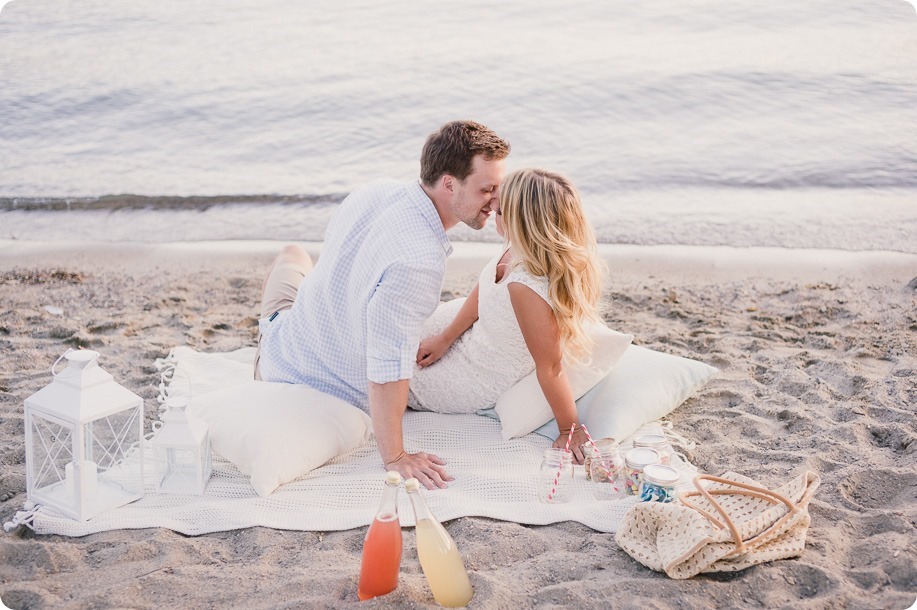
[{"x": 279, "y": 294}]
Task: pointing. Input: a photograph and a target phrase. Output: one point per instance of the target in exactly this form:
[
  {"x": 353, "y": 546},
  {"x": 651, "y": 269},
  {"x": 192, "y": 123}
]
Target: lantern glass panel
[
  {"x": 180, "y": 470},
  {"x": 113, "y": 443},
  {"x": 50, "y": 445}
]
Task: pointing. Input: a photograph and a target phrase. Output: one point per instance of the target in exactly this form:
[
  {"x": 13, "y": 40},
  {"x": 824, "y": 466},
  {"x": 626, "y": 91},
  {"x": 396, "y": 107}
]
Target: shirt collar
[{"x": 428, "y": 210}]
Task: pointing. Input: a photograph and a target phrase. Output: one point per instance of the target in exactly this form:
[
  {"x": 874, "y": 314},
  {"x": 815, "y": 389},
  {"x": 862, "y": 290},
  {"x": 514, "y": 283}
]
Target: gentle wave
[
  {"x": 150, "y": 202},
  {"x": 699, "y": 122}
]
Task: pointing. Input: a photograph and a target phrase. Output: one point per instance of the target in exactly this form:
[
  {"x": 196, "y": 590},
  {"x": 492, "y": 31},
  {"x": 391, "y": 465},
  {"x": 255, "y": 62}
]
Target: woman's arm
[
  {"x": 432, "y": 348},
  {"x": 542, "y": 337}
]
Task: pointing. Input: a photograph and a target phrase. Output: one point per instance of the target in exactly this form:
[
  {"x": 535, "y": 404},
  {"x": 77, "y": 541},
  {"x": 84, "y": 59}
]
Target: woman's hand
[
  {"x": 432, "y": 349},
  {"x": 576, "y": 443}
]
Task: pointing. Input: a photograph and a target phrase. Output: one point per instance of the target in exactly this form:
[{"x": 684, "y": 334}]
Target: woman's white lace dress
[{"x": 487, "y": 359}]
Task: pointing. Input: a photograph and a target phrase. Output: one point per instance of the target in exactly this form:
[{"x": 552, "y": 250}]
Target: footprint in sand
[
  {"x": 725, "y": 397},
  {"x": 807, "y": 581},
  {"x": 248, "y": 322},
  {"x": 20, "y": 598},
  {"x": 80, "y": 340},
  {"x": 896, "y": 437},
  {"x": 880, "y": 489},
  {"x": 241, "y": 282},
  {"x": 104, "y": 328}
]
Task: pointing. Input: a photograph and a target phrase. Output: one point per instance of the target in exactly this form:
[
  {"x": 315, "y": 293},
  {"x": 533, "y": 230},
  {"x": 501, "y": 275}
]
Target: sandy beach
[{"x": 818, "y": 359}]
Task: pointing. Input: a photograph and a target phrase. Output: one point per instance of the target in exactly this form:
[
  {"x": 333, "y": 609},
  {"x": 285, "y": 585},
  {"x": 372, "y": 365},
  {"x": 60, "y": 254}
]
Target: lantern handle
[
  {"x": 61, "y": 357},
  {"x": 164, "y": 390}
]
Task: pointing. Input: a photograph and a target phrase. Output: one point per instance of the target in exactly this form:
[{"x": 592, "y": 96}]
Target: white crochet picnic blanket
[{"x": 493, "y": 478}]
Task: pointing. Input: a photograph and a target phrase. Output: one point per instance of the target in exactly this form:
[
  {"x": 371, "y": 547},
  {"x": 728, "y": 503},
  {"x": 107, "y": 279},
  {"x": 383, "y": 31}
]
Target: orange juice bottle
[
  {"x": 382, "y": 545},
  {"x": 439, "y": 557}
]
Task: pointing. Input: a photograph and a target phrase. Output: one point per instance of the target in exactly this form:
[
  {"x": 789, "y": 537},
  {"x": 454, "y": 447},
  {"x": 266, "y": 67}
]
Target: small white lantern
[
  {"x": 182, "y": 450},
  {"x": 84, "y": 450}
]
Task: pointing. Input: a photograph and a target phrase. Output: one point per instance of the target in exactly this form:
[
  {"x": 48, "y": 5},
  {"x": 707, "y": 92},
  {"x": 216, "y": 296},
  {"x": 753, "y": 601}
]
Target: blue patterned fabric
[{"x": 359, "y": 313}]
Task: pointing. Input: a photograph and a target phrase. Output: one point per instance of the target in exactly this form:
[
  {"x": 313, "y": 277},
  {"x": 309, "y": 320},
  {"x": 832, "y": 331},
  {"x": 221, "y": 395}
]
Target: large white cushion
[
  {"x": 278, "y": 432},
  {"x": 523, "y": 407},
  {"x": 644, "y": 386}
]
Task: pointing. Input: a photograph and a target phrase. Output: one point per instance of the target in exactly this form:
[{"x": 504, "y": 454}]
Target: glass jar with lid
[
  {"x": 658, "y": 484},
  {"x": 659, "y": 442},
  {"x": 634, "y": 462}
]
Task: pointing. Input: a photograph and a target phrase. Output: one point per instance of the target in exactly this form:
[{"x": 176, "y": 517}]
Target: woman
[{"x": 528, "y": 311}]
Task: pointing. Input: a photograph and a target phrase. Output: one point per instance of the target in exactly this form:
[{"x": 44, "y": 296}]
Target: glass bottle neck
[
  {"x": 421, "y": 511},
  {"x": 388, "y": 507}
]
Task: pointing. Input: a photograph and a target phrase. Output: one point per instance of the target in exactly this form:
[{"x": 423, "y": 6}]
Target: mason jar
[
  {"x": 589, "y": 451},
  {"x": 658, "y": 442},
  {"x": 606, "y": 471},
  {"x": 634, "y": 462},
  {"x": 658, "y": 484},
  {"x": 555, "y": 478}
]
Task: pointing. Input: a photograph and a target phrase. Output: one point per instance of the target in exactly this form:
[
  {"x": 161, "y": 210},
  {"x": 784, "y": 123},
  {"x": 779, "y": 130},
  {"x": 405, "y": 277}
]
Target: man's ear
[{"x": 448, "y": 183}]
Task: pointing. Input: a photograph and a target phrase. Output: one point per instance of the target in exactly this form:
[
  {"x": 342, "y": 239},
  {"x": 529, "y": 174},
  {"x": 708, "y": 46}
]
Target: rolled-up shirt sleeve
[{"x": 406, "y": 295}]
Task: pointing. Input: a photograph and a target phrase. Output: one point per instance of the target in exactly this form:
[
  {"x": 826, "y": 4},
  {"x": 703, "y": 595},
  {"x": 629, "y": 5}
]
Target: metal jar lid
[
  {"x": 650, "y": 440},
  {"x": 640, "y": 458},
  {"x": 664, "y": 476}
]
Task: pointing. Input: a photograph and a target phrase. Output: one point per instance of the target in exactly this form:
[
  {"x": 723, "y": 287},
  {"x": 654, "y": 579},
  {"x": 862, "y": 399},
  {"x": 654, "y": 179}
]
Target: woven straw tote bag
[{"x": 729, "y": 525}]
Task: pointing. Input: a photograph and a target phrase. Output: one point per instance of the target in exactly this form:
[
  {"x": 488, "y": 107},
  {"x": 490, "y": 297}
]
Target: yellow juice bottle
[{"x": 439, "y": 557}]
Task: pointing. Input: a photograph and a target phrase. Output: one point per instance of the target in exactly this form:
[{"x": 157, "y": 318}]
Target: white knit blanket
[{"x": 493, "y": 478}]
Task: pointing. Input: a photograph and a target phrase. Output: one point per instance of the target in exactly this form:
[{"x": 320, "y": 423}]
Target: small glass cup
[{"x": 555, "y": 479}]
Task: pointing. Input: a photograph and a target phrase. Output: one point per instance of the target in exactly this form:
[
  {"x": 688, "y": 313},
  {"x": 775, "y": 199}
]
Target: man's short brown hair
[{"x": 451, "y": 149}]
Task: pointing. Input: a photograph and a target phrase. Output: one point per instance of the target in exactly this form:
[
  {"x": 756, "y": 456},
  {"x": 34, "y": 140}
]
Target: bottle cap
[
  {"x": 411, "y": 484},
  {"x": 660, "y": 475},
  {"x": 650, "y": 440},
  {"x": 639, "y": 458},
  {"x": 393, "y": 477}
]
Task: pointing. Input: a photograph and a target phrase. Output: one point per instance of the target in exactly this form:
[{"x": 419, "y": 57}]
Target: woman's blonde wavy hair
[{"x": 544, "y": 223}]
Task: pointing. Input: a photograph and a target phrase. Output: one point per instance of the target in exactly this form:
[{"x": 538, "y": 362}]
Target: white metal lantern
[
  {"x": 84, "y": 450},
  {"x": 182, "y": 450}
]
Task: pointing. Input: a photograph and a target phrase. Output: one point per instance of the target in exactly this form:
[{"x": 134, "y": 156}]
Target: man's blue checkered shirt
[{"x": 359, "y": 313}]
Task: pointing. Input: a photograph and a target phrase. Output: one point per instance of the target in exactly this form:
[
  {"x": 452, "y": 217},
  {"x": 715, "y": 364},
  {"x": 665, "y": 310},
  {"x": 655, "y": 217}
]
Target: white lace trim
[{"x": 485, "y": 361}]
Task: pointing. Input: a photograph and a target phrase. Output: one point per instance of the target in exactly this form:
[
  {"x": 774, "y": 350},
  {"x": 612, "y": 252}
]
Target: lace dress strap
[{"x": 537, "y": 283}]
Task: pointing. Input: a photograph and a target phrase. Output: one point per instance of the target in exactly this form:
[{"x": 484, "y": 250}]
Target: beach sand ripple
[{"x": 816, "y": 374}]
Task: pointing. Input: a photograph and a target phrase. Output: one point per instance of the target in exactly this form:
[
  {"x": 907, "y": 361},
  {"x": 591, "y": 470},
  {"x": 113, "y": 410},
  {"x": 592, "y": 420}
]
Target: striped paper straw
[
  {"x": 602, "y": 462},
  {"x": 557, "y": 476}
]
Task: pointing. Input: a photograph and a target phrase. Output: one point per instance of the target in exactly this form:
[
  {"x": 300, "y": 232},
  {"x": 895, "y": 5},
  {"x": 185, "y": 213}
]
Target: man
[{"x": 351, "y": 325}]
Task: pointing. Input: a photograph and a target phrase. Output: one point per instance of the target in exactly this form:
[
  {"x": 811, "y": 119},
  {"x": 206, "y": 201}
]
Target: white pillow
[
  {"x": 523, "y": 407},
  {"x": 644, "y": 386},
  {"x": 278, "y": 432}
]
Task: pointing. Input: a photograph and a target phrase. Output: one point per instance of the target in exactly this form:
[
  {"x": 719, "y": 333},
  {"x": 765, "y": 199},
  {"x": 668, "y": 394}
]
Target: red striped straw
[
  {"x": 602, "y": 462},
  {"x": 561, "y": 467}
]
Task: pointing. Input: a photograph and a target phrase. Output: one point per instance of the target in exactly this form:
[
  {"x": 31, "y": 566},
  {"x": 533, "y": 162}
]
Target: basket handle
[{"x": 745, "y": 489}]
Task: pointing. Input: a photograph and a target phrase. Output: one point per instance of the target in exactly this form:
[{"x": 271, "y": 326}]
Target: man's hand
[
  {"x": 425, "y": 467},
  {"x": 387, "y": 402},
  {"x": 432, "y": 349}
]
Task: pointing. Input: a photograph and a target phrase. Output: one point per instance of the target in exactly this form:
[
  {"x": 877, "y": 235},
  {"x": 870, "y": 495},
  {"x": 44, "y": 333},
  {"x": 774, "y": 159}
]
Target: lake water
[{"x": 682, "y": 121}]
